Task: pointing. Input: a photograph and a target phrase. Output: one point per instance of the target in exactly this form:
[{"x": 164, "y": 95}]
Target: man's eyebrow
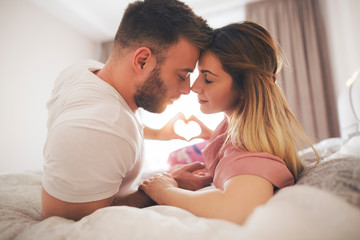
[
  {"x": 186, "y": 70},
  {"x": 207, "y": 71}
]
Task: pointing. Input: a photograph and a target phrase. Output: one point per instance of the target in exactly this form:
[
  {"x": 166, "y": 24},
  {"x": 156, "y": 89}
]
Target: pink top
[{"x": 234, "y": 162}]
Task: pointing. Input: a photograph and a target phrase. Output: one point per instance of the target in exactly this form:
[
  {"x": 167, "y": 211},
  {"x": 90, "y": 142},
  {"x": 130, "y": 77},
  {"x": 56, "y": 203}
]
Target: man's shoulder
[
  {"x": 107, "y": 115},
  {"x": 84, "y": 64}
]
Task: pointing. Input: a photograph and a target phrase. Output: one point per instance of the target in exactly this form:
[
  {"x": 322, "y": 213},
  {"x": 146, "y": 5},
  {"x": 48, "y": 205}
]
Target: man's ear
[{"x": 141, "y": 58}]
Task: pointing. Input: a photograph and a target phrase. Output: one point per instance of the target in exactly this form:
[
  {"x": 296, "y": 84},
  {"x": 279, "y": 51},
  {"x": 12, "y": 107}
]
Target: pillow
[
  {"x": 325, "y": 148},
  {"x": 352, "y": 146},
  {"x": 338, "y": 174},
  {"x": 187, "y": 154}
]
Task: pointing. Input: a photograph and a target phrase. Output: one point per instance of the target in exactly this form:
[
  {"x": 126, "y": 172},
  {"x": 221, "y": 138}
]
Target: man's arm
[
  {"x": 191, "y": 176},
  {"x": 78, "y": 154},
  {"x": 188, "y": 176},
  {"x": 52, "y": 206},
  {"x": 75, "y": 211},
  {"x": 136, "y": 199}
]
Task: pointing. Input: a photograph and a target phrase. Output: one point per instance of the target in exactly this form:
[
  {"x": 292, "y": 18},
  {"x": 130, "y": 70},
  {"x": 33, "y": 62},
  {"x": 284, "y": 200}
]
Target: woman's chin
[{"x": 207, "y": 110}]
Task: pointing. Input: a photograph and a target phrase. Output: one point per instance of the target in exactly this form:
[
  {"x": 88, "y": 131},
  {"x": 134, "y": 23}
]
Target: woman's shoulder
[
  {"x": 232, "y": 152},
  {"x": 266, "y": 165}
]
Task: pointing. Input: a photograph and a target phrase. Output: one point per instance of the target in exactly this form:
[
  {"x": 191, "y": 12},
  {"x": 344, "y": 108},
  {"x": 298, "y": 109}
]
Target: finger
[
  {"x": 201, "y": 124},
  {"x": 142, "y": 187},
  {"x": 194, "y": 166},
  {"x": 203, "y": 177},
  {"x": 207, "y": 180},
  {"x": 198, "y": 136},
  {"x": 191, "y": 118},
  {"x": 157, "y": 176},
  {"x": 179, "y": 137},
  {"x": 195, "y": 119},
  {"x": 201, "y": 172},
  {"x": 178, "y": 116},
  {"x": 168, "y": 175}
]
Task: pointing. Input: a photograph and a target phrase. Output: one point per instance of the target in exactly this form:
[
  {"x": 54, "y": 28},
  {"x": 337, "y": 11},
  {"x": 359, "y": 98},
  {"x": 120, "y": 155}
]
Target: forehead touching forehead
[{"x": 182, "y": 55}]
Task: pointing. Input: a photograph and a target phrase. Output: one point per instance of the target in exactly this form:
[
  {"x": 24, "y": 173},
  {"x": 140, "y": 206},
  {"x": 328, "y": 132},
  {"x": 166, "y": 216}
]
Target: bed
[{"x": 323, "y": 204}]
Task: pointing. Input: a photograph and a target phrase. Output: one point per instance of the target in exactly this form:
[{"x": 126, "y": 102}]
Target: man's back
[{"x": 94, "y": 139}]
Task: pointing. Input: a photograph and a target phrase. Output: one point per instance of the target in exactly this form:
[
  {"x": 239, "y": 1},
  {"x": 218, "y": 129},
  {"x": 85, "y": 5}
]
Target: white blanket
[{"x": 296, "y": 212}]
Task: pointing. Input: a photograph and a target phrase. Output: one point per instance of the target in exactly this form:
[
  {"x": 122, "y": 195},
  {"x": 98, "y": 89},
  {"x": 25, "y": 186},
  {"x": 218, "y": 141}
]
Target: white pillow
[{"x": 352, "y": 147}]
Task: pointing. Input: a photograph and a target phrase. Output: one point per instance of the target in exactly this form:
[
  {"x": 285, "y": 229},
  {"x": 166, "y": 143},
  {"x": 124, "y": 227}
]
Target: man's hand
[
  {"x": 155, "y": 186},
  {"x": 167, "y": 132},
  {"x": 192, "y": 176}
]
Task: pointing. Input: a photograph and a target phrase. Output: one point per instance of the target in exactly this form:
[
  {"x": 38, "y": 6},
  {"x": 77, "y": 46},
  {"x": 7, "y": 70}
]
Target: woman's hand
[
  {"x": 167, "y": 132},
  {"x": 157, "y": 185},
  {"x": 205, "y": 131}
]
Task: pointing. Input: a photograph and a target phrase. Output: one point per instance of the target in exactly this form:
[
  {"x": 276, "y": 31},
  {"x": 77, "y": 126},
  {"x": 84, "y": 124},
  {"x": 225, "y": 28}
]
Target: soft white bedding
[{"x": 307, "y": 210}]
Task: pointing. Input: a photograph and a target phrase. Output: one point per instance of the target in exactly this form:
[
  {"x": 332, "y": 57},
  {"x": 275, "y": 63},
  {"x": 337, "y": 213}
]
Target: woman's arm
[{"x": 241, "y": 195}]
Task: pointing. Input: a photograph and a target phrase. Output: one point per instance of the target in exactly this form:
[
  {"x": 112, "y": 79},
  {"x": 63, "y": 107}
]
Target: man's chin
[
  {"x": 161, "y": 109},
  {"x": 158, "y": 109}
]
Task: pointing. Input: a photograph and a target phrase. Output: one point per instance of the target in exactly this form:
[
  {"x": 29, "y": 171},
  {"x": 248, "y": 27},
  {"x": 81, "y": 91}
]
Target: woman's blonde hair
[{"x": 262, "y": 120}]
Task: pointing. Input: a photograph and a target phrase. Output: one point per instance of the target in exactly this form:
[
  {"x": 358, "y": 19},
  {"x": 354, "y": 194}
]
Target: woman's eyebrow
[{"x": 207, "y": 71}]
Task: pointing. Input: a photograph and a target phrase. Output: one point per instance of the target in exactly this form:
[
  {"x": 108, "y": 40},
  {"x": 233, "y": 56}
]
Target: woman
[{"x": 253, "y": 151}]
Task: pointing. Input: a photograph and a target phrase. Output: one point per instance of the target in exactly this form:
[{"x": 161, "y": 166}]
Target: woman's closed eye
[{"x": 207, "y": 81}]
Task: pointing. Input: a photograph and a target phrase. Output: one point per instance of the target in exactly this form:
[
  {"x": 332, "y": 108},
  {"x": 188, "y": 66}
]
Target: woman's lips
[{"x": 201, "y": 101}]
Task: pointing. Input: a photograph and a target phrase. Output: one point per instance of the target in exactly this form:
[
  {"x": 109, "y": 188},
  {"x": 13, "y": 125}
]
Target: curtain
[{"x": 306, "y": 78}]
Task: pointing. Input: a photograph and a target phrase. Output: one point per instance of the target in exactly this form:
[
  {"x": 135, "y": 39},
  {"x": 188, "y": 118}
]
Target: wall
[
  {"x": 34, "y": 48},
  {"x": 342, "y": 24},
  {"x": 342, "y": 21}
]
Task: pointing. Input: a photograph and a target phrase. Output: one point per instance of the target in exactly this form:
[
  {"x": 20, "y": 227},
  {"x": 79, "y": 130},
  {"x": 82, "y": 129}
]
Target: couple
[{"x": 94, "y": 148}]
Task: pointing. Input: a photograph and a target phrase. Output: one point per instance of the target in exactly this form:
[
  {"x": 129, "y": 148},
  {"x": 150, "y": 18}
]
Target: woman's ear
[{"x": 141, "y": 58}]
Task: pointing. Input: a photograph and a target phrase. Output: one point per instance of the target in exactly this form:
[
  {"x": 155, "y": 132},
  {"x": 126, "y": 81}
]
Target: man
[{"x": 94, "y": 148}]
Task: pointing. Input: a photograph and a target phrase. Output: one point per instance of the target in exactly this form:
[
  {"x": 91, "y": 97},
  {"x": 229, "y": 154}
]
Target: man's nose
[{"x": 185, "y": 88}]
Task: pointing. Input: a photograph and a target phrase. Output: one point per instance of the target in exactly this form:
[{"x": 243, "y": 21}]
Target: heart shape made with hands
[{"x": 187, "y": 130}]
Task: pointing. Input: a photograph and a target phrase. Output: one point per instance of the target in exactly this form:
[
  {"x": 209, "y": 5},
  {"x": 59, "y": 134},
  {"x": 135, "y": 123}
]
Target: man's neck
[{"x": 121, "y": 81}]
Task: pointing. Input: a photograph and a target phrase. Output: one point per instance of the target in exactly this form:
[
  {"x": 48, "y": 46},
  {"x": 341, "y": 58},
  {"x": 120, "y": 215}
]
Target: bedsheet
[
  {"x": 297, "y": 212},
  {"x": 307, "y": 210}
]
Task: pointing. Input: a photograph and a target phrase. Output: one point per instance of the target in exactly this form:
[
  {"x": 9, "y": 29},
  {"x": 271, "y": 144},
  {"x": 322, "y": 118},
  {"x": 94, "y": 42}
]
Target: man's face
[
  {"x": 151, "y": 95},
  {"x": 167, "y": 82}
]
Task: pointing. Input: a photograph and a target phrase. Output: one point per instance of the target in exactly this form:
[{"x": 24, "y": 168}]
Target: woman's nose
[{"x": 196, "y": 86}]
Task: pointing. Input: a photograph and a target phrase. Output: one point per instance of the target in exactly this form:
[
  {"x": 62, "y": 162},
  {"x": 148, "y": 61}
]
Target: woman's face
[{"x": 214, "y": 86}]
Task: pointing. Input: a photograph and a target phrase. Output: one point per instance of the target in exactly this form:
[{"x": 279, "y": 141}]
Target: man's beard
[{"x": 151, "y": 95}]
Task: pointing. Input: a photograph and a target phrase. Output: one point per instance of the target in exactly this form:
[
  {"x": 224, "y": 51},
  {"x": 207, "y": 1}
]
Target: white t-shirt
[{"x": 94, "y": 146}]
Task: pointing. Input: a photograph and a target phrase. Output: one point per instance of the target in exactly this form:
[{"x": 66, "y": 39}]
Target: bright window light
[{"x": 157, "y": 152}]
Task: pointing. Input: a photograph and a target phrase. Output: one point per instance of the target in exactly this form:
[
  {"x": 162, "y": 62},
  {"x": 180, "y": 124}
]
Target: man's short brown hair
[{"x": 158, "y": 24}]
